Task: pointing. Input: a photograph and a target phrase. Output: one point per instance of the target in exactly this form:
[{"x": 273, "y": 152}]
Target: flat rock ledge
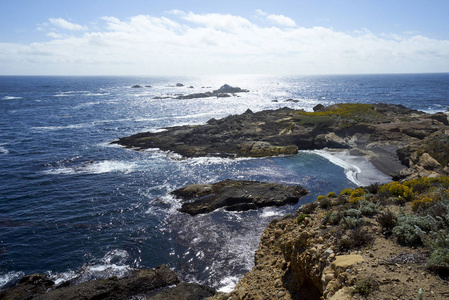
[
  {"x": 158, "y": 283},
  {"x": 236, "y": 195}
]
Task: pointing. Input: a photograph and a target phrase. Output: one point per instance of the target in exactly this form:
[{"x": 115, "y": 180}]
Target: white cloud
[
  {"x": 64, "y": 24},
  {"x": 190, "y": 44},
  {"x": 277, "y": 19}
]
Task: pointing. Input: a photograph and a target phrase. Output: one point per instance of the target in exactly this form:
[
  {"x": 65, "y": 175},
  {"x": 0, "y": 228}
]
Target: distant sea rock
[
  {"x": 223, "y": 92},
  {"x": 179, "y": 85}
]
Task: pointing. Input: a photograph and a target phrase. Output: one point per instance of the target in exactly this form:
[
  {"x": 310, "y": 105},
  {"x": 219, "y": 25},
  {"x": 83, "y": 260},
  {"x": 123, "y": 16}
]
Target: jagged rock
[
  {"x": 236, "y": 195},
  {"x": 428, "y": 162},
  {"x": 229, "y": 89},
  {"x": 155, "y": 283},
  {"x": 318, "y": 107}
]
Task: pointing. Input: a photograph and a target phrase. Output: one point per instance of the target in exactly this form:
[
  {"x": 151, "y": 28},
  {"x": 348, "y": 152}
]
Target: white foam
[
  {"x": 11, "y": 98},
  {"x": 95, "y": 168},
  {"x": 353, "y": 166},
  {"x": 112, "y": 264},
  {"x": 271, "y": 212},
  {"x": 9, "y": 277},
  {"x": 3, "y": 150},
  {"x": 228, "y": 284}
]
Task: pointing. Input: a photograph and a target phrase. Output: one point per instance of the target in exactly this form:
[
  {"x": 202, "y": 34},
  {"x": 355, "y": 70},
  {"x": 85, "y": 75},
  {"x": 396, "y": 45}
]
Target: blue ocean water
[{"x": 76, "y": 207}]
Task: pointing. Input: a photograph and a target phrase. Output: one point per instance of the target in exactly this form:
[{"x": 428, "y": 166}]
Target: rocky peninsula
[{"x": 399, "y": 141}]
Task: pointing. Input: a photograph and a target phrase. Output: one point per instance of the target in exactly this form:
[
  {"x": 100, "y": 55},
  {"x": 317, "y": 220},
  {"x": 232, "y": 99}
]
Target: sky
[{"x": 198, "y": 37}]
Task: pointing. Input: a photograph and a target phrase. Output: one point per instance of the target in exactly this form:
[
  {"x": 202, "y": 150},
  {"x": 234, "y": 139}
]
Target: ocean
[{"x": 73, "y": 206}]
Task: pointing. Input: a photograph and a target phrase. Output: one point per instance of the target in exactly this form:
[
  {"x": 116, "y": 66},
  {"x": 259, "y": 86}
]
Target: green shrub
[
  {"x": 367, "y": 208},
  {"x": 364, "y": 287},
  {"x": 335, "y": 217},
  {"x": 301, "y": 218},
  {"x": 332, "y": 195},
  {"x": 439, "y": 260},
  {"x": 351, "y": 222},
  {"x": 387, "y": 219},
  {"x": 406, "y": 229}
]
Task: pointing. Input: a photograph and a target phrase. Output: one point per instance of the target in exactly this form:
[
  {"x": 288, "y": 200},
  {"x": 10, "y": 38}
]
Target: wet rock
[
  {"x": 236, "y": 195},
  {"x": 158, "y": 283},
  {"x": 136, "y": 86},
  {"x": 179, "y": 85}
]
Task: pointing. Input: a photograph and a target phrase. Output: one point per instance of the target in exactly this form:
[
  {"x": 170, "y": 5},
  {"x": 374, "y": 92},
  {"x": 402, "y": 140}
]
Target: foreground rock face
[
  {"x": 236, "y": 195},
  {"x": 375, "y": 131},
  {"x": 321, "y": 253},
  {"x": 156, "y": 283}
]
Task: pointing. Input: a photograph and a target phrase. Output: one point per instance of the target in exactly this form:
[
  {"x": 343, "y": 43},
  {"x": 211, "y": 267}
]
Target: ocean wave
[
  {"x": 107, "y": 166},
  {"x": 3, "y": 150},
  {"x": 9, "y": 278},
  {"x": 114, "y": 263},
  {"x": 11, "y": 98}
]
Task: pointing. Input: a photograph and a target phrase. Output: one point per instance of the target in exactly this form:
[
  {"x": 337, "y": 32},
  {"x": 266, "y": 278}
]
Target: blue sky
[{"x": 136, "y": 37}]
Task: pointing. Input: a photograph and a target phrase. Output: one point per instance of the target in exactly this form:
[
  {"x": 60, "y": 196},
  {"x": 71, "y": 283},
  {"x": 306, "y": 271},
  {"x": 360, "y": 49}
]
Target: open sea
[{"x": 73, "y": 206}]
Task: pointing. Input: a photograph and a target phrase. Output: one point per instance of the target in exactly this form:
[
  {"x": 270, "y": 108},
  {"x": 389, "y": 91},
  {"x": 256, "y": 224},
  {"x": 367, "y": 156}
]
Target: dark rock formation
[
  {"x": 229, "y": 89},
  {"x": 236, "y": 195},
  {"x": 375, "y": 131},
  {"x": 179, "y": 85},
  {"x": 136, "y": 86},
  {"x": 140, "y": 284},
  {"x": 222, "y": 92}
]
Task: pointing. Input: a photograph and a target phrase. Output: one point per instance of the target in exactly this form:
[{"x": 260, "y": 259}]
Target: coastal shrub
[
  {"x": 387, "y": 219},
  {"x": 320, "y": 197},
  {"x": 422, "y": 203},
  {"x": 301, "y": 218},
  {"x": 406, "y": 229},
  {"x": 346, "y": 192},
  {"x": 332, "y": 195},
  {"x": 325, "y": 203},
  {"x": 335, "y": 217},
  {"x": 360, "y": 237},
  {"x": 367, "y": 208},
  {"x": 397, "y": 189},
  {"x": 351, "y": 222},
  {"x": 356, "y": 195},
  {"x": 439, "y": 261},
  {"x": 373, "y": 188},
  {"x": 364, "y": 287}
]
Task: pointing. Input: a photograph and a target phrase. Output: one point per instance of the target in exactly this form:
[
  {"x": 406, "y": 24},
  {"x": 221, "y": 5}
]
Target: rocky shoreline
[{"x": 393, "y": 138}]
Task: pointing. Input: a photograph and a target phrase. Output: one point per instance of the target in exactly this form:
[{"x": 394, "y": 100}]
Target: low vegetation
[{"x": 422, "y": 219}]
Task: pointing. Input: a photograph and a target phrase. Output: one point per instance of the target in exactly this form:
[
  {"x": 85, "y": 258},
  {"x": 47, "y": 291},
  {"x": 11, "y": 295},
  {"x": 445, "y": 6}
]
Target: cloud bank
[{"x": 185, "y": 43}]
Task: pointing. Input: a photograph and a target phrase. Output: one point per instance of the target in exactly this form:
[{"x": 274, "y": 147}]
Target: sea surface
[{"x": 73, "y": 206}]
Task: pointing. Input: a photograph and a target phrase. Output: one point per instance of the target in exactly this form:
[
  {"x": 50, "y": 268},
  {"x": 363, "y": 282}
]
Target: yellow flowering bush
[
  {"x": 356, "y": 195},
  {"x": 422, "y": 202},
  {"x": 397, "y": 189},
  {"x": 346, "y": 192}
]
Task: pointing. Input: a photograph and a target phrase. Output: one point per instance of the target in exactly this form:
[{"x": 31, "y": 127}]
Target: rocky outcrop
[
  {"x": 223, "y": 92},
  {"x": 375, "y": 131},
  {"x": 159, "y": 283},
  {"x": 236, "y": 195}
]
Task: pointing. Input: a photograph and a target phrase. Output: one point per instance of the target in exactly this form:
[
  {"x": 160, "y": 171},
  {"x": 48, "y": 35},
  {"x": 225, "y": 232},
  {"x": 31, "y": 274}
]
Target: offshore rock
[
  {"x": 236, "y": 195},
  {"x": 222, "y": 92},
  {"x": 158, "y": 283}
]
